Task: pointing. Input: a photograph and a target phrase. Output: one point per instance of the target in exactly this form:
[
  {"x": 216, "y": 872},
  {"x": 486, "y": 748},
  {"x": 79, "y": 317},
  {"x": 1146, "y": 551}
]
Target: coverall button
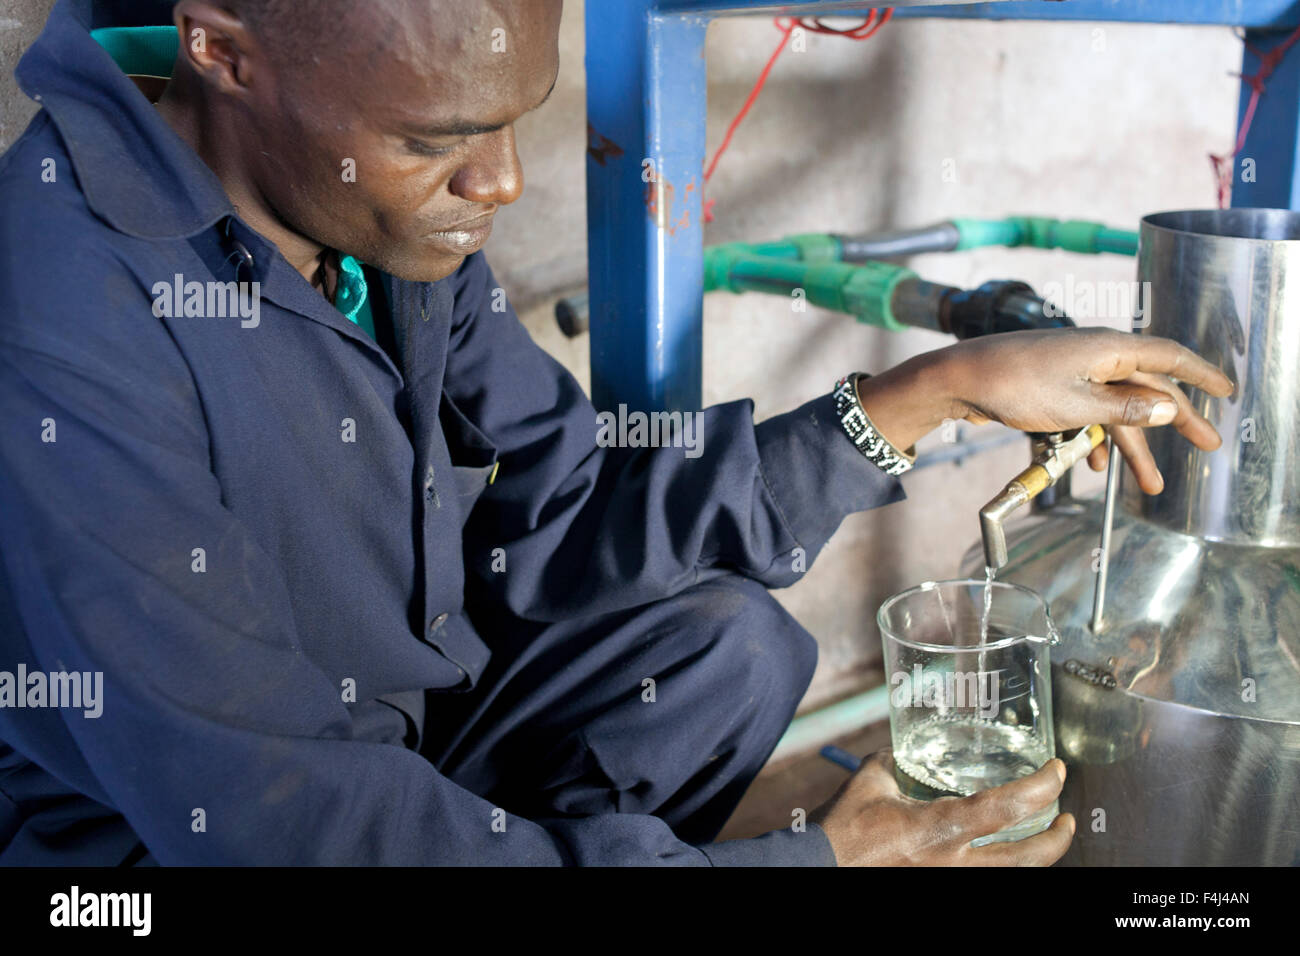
[{"x": 430, "y": 491}]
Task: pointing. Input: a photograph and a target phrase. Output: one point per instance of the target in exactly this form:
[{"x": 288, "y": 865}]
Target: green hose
[
  {"x": 863, "y": 291},
  {"x": 808, "y": 265},
  {"x": 1040, "y": 232}
]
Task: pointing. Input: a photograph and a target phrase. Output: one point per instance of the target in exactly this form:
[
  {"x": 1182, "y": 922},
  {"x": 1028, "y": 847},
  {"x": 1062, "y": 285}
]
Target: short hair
[{"x": 296, "y": 30}]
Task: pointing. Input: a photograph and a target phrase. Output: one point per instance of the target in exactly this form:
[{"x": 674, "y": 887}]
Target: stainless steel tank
[{"x": 1179, "y": 717}]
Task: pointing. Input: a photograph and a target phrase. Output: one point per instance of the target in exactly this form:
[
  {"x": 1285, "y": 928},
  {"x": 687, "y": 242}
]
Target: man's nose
[{"x": 493, "y": 174}]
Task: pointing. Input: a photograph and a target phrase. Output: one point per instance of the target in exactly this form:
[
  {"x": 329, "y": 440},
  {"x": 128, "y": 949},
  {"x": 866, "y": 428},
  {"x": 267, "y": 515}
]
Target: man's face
[{"x": 398, "y": 146}]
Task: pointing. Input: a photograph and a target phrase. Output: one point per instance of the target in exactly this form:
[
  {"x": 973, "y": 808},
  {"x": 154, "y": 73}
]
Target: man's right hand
[{"x": 871, "y": 823}]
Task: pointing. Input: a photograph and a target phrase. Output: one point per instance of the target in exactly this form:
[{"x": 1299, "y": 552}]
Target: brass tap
[{"x": 1056, "y": 457}]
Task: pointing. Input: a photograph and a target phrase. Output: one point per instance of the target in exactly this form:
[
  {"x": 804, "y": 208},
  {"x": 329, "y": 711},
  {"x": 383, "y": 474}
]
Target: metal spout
[
  {"x": 992, "y": 517},
  {"x": 1058, "y": 456}
]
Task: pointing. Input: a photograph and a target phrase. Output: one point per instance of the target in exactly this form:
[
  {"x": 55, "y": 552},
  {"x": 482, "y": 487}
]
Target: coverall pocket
[{"x": 473, "y": 456}]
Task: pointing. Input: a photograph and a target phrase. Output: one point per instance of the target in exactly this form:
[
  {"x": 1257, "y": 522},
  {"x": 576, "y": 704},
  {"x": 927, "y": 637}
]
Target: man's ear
[{"x": 217, "y": 45}]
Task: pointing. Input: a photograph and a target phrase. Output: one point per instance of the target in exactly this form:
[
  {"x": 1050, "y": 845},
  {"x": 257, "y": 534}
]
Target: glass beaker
[{"x": 970, "y": 691}]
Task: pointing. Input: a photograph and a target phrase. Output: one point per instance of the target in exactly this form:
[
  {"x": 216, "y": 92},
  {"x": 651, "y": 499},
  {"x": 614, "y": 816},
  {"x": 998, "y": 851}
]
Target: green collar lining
[
  {"x": 352, "y": 297},
  {"x": 140, "y": 51}
]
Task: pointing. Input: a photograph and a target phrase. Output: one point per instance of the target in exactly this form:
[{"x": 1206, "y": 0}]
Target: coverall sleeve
[
  {"x": 219, "y": 740},
  {"x": 588, "y": 529}
]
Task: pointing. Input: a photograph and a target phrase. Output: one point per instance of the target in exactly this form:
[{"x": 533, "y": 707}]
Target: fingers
[
  {"x": 1149, "y": 400},
  {"x": 1132, "y": 444},
  {"x": 1194, "y": 426},
  {"x": 878, "y": 767},
  {"x": 876, "y": 775},
  {"x": 1041, "y": 849},
  {"x": 1151, "y": 353},
  {"x": 992, "y": 810},
  {"x": 1131, "y": 403},
  {"x": 1144, "y": 399}
]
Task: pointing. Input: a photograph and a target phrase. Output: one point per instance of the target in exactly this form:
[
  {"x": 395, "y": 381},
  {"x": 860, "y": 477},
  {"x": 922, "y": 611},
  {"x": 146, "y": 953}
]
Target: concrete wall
[
  {"x": 20, "y": 21},
  {"x": 1104, "y": 122}
]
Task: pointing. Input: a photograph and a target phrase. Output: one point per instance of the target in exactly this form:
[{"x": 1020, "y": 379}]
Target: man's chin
[{"x": 420, "y": 268}]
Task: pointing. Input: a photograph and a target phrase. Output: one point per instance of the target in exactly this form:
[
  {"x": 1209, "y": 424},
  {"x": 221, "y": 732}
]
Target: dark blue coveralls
[{"x": 500, "y": 716}]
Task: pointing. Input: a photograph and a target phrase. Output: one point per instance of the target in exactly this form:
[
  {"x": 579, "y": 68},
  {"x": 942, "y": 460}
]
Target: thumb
[
  {"x": 1126, "y": 404},
  {"x": 877, "y": 773}
]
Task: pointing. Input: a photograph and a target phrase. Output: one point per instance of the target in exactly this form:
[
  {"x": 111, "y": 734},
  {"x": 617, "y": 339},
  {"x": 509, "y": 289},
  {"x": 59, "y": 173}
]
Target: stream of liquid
[{"x": 989, "y": 574}]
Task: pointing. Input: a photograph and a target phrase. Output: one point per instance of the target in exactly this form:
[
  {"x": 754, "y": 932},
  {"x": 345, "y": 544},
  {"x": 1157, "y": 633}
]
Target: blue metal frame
[
  {"x": 1235, "y": 13},
  {"x": 1273, "y": 142},
  {"x": 646, "y": 102},
  {"x": 645, "y": 174}
]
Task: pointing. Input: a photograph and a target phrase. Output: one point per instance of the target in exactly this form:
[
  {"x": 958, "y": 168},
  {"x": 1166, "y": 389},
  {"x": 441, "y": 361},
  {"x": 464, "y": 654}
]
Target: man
[{"x": 358, "y": 580}]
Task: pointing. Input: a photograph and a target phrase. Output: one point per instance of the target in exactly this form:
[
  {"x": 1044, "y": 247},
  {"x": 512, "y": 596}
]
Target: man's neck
[{"x": 315, "y": 263}]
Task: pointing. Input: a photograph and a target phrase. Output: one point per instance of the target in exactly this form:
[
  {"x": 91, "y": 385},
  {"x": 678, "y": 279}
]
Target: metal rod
[
  {"x": 841, "y": 757},
  {"x": 1107, "y": 521}
]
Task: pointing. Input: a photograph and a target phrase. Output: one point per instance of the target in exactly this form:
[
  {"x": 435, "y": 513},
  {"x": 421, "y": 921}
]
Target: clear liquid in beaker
[{"x": 958, "y": 755}]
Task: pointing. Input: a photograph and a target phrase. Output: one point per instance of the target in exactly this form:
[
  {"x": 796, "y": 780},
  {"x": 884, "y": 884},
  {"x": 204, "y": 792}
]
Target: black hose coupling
[{"x": 1001, "y": 305}]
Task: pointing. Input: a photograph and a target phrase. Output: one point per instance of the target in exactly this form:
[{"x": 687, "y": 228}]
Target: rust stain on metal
[
  {"x": 600, "y": 147},
  {"x": 658, "y": 200},
  {"x": 659, "y": 205},
  {"x": 685, "y": 221}
]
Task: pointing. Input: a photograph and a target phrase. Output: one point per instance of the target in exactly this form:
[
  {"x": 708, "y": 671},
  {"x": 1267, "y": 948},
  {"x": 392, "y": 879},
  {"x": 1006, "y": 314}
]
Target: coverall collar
[{"x": 135, "y": 172}]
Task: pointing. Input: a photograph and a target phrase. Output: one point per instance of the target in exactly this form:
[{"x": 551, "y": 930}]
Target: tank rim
[{"x": 1250, "y": 225}]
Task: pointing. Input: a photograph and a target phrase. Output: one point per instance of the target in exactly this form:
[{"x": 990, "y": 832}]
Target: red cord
[
  {"x": 1223, "y": 171},
  {"x": 1268, "y": 62},
  {"x": 862, "y": 31},
  {"x": 749, "y": 101}
]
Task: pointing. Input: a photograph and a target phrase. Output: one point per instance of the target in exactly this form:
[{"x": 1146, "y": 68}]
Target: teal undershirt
[
  {"x": 351, "y": 297},
  {"x": 151, "y": 51}
]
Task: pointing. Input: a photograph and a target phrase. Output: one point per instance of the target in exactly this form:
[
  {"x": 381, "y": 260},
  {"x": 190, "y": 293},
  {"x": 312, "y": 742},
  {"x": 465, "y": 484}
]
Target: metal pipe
[
  {"x": 941, "y": 237},
  {"x": 842, "y": 758},
  {"x": 573, "y": 313},
  {"x": 1107, "y": 523}
]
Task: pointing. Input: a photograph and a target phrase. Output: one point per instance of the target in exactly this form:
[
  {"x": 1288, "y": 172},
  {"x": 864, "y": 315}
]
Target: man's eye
[{"x": 423, "y": 149}]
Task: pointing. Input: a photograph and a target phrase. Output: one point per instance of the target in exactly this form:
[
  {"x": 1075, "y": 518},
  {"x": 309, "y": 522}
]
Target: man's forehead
[
  {"x": 464, "y": 62},
  {"x": 418, "y": 31},
  {"x": 460, "y": 116}
]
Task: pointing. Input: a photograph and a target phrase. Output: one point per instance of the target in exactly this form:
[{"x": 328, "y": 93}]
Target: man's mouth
[{"x": 464, "y": 238}]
